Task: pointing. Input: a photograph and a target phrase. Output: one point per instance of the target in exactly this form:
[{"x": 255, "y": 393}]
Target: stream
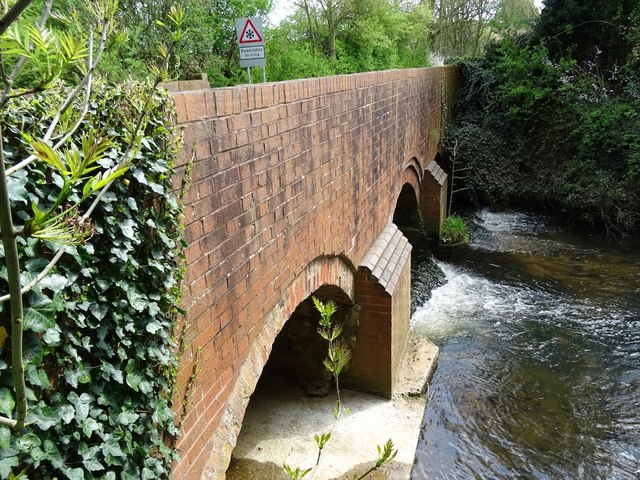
[{"x": 539, "y": 368}]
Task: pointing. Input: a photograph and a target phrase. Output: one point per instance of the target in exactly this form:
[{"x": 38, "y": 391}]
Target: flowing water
[{"x": 539, "y": 368}]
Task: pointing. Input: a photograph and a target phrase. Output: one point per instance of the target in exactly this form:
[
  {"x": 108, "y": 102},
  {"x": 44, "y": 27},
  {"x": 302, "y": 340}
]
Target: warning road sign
[
  {"x": 250, "y": 42},
  {"x": 250, "y": 30}
]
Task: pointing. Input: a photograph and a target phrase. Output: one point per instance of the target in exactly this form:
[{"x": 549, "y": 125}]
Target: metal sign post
[{"x": 250, "y": 37}]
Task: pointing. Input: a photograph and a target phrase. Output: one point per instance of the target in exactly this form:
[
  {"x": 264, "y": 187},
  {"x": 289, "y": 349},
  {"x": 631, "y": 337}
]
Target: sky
[{"x": 284, "y": 7}]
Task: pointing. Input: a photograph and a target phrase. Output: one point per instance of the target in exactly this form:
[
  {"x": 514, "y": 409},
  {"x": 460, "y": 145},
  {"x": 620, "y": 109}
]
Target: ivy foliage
[{"x": 100, "y": 356}]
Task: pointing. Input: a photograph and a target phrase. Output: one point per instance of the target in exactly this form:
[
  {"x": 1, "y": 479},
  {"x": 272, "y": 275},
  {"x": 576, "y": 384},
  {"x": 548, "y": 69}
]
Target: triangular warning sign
[{"x": 250, "y": 33}]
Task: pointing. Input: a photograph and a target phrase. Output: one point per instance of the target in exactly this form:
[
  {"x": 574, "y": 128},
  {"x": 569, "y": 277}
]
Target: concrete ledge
[{"x": 418, "y": 366}]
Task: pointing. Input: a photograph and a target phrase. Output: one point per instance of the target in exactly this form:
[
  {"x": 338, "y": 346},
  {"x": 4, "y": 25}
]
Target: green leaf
[
  {"x": 28, "y": 441},
  {"x": 89, "y": 426},
  {"x": 112, "y": 447},
  {"x": 136, "y": 299},
  {"x": 40, "y": 317},
  {"x": 74, "y": 473},
  {"x": 128, "y": 228},
  {"x": 5, "y": 438},
  {"x": 153, "y": 326},
  {"x": 76, "y": 376},
  {"x": 51, "y": 336},
  {"x": 38, "y": 377},
  {"x": 81, "y": 404},
  {"x": 6, "y": 464},
  {"x": 127, "y": 417},
  {"x": 54, "y": 282},
  {"x": 67, "y": 413},
  {"x": 90, "y": 459},
  {"x": 47, "y": 417},
  {"x": 49, "y": 452},
  {"x": 7, "y": 403},
  {"x": 16, "y": 185},
  {"x": 92, "y": 464},
  {"x": 134, "y": 375}
]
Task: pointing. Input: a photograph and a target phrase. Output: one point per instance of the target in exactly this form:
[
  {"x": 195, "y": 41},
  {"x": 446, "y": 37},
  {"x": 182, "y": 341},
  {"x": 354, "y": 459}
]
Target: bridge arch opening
[
  {"x": 406, "y": 215},
  {"x": 331, "y": 277},
  {"x": 279, "y": 407},
  {"x": 299, "y": 350}
]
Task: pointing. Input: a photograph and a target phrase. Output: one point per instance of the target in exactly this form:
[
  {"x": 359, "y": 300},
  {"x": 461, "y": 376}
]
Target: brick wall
[{"x": 283, "y": 174}]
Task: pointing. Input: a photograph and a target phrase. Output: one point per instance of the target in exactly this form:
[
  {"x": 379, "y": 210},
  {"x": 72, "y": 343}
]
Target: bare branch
[
  {"x": 13, "y": 14},
  {"x": 8, "y": 84}
]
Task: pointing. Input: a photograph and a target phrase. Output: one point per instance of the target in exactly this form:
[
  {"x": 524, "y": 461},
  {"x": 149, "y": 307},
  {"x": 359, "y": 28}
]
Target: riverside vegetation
[{"x": 550, "y": 118}]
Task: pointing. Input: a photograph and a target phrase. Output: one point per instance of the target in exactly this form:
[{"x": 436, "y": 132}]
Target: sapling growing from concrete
[{"x": 338, "y": 356}]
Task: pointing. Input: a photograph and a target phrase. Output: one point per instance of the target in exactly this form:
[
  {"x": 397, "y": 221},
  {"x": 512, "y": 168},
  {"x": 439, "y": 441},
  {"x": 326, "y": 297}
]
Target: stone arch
[{"x": 334, "y": 271}]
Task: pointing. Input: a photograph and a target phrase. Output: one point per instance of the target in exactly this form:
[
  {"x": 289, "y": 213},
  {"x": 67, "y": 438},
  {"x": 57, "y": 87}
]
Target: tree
[
  {"x": 602, "y": 31},
  {"x": 515, "y": 16},
  {"x": 462, "y": 27}
]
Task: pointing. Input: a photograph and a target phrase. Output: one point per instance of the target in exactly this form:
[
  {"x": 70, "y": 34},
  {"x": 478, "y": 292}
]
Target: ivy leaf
[
  {"x": 134, "y": 375},
  {"x": 41, "y": 315},
  {"x": 136, "y": 299},
  {"x": 112, "y": 371},
  {"x": 6, "y": 464},
  {"x": 54, "y": 282},
  {"x": 7, "y": 403},
  {"x": 90, "y": 460},
  {"x": 47, "y": 417},
  {"x": 89, "y": 426},
  {"x": 67, "y": 413},
  {"x": 74, "y": 473},
  {"x": 81, "y": 404},
  {"x": 50, "y": 453},
  {"x": 51, "y": 336},
  {"x": 153, "y": 326},
  {"x": 38, "y": 377},
  {"x": 38, "y": 320},
  {"x": 139, "y": 176},
  {"x": 130, "y": 475},
  {"x": 112, "y": 447},
  {"x": 28, "y": 441},
  {"x": 128, "y": 230},
  {"x": 16, "y": 184},
  {"x": 92, "y": 464},
  {"x": 148, "y": 474},
  {"x": 78, "y": 375},
  {"x": 5, "y": 439},
  {"x": 127, "y": 417}
]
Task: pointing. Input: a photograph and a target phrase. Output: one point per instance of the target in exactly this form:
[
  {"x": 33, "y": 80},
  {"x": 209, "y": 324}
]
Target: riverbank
[{"x": 280, "y": 424}]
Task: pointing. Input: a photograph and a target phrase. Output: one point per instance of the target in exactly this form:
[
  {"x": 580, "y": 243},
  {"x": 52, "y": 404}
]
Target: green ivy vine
[{"x": 99, "y": 341}]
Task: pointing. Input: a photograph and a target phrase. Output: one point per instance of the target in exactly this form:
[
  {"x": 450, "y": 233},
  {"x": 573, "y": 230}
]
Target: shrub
[{"x": 454, "y": 230}]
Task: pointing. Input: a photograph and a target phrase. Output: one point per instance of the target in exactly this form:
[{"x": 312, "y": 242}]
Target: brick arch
[
  {"x": 321, "y": 271},
  {"x": 410, "y": 176}
]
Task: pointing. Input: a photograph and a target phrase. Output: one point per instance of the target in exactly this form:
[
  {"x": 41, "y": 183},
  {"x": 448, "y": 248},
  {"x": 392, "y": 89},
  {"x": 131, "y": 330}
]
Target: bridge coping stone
[
  {"x": 438, "y": 173},
  {"x": 387, "y": 257}
]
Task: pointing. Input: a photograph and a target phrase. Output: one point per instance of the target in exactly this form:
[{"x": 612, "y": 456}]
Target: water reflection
[{"x": 538, "y": 375}]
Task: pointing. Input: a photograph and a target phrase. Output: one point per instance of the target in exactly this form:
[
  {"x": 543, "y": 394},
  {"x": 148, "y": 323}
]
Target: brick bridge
[{"x": 295, "y": 190}]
